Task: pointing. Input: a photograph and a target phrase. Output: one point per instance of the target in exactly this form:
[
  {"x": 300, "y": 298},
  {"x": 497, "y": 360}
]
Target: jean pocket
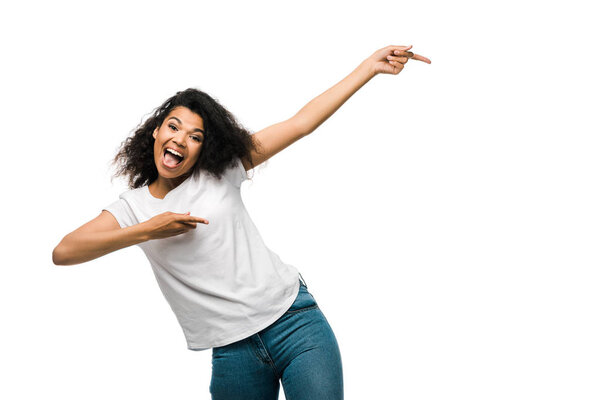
[
  {"x": 304, "y": 301},
  {"x": 308, "y": 308}
]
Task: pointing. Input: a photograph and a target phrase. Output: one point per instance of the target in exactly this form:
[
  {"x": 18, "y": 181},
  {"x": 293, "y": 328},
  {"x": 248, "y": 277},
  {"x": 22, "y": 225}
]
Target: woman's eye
[
  {"x": 172, "y": 127},
  {"x": 196, "y": 138}
]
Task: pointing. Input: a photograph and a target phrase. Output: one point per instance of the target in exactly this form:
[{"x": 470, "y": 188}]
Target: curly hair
[{"x": 225, "y": 140}]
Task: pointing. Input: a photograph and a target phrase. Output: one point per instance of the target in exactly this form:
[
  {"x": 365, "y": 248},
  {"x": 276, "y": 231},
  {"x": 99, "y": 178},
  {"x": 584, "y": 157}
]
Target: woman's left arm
[
  {"x": 273, "y": 139},
  {"x": 389, "y": 60}
]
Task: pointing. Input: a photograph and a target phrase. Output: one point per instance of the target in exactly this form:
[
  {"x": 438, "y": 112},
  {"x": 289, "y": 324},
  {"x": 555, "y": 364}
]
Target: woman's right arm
[
  {"x": 103, "y": 235},
  {"x": 98, "y": 237}
]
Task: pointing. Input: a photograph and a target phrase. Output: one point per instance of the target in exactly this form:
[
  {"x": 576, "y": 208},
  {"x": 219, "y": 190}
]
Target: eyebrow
[{"x": 195, "y": 130}]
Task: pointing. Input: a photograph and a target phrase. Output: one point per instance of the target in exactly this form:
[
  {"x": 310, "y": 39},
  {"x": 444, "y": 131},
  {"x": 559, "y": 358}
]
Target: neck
[{"x": 161, "y": 186}]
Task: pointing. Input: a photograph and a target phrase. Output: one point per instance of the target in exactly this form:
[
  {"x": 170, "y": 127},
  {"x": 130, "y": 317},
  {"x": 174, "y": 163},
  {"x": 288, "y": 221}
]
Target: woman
[{"x": 229, "y": 291}]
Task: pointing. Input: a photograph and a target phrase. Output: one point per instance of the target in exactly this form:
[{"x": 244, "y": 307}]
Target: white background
[{"x": 446, "y": 219}]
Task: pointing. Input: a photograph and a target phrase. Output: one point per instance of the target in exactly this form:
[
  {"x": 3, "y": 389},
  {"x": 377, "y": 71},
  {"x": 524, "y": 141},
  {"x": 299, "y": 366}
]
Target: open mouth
[{"x": 170, "y": 159}]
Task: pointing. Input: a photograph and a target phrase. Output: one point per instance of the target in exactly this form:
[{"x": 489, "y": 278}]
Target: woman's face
[{"x": 181, "y": 131}]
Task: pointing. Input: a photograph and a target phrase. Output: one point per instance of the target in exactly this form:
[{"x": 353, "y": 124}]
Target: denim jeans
[{"x": 299, "y": 349}]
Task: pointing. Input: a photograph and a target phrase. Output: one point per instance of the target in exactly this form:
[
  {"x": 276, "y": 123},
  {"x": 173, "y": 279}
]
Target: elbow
[
  {"x": 59, "y": 255},
  {"x": 301, "y": 126}
]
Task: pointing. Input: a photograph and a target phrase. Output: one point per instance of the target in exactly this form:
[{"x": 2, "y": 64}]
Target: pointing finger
[
  {"x": 421, "y": 58},
  {"x": 192, "y": 219},
  {"x": 412, "y": 55}
]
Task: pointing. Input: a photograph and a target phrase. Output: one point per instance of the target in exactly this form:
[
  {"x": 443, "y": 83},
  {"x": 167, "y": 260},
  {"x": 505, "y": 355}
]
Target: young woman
[{"x": 185, "y": 165}]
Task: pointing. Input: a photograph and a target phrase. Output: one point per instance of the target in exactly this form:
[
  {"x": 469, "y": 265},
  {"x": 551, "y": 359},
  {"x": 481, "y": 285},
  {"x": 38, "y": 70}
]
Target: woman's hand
[
  {"x": 170, "y": 224},
  {"x": 391, "y": 59}
]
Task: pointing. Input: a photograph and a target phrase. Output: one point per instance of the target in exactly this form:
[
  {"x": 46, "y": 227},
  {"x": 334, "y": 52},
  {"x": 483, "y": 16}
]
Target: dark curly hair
[{"x": 224, "y": 141}]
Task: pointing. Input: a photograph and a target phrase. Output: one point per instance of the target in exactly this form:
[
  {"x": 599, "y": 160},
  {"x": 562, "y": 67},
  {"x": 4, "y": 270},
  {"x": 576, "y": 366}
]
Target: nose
[{"x": 179, "y": 138}]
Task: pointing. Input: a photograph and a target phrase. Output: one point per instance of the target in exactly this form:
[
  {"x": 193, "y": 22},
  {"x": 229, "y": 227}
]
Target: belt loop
[{"x": 302, "y": 278}]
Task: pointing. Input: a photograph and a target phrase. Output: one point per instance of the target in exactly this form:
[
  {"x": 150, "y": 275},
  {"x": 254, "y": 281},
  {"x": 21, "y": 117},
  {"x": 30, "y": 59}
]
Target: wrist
[
  {"x": 144, "y": 232},
  {"x": 366, "y": 67}
]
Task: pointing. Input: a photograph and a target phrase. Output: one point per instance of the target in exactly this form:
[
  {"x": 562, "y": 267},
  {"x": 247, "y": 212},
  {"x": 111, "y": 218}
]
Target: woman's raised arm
[
  {"x": 273, "y": 139},
  {"x": 389, "y": 60}
]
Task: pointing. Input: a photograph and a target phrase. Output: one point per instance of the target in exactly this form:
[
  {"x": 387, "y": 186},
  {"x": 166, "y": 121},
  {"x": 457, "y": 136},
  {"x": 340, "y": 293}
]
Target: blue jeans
[{"x": 299, "y": 349}]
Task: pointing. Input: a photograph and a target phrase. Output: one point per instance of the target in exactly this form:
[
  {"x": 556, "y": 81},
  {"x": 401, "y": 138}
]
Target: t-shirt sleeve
[
  {"x": 238, "y": 173},
  {"x": 122, "y": 212}
]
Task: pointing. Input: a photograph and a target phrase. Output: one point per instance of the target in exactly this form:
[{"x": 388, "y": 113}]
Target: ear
[{"x": 155, "y": 132}]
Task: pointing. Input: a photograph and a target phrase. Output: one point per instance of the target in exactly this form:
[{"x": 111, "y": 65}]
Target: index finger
[
  {"x": 191, "y": 219},
  {"x": 421, "y": 58}
]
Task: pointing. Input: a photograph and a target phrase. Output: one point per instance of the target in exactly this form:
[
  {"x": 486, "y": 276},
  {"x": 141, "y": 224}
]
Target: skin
[
  {"x": 103, "y": 234},
  {"x": 391, "y": 59},
  {"x": 179, "y": 131},
  {"x": 274, "y": 138}
]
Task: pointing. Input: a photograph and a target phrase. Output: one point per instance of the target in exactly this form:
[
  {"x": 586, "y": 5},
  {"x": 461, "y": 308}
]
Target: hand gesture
[
  {"x": 170, "y": 224},
  {"x": 391, "y": 59}
]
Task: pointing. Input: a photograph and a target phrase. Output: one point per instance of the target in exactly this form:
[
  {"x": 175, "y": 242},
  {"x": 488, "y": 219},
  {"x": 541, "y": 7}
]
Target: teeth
[{"x": 174, "y": 152}]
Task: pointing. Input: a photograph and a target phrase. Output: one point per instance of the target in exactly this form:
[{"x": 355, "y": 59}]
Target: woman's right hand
[{"x": 170, "y": 224}]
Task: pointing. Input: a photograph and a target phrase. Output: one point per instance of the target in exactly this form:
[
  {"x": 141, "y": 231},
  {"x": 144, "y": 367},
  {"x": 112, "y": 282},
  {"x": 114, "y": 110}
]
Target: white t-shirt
[{"x": 220, "y": 279}]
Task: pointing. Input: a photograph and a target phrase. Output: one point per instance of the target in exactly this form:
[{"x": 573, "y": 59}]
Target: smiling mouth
[{"x": 171, "y": 160}]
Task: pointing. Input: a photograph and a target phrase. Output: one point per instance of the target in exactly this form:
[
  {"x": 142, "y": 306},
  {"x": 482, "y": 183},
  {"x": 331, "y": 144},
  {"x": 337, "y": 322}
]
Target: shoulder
[
  {"x": 133, "y": 194},
  {"x": 236, "y": 173}
]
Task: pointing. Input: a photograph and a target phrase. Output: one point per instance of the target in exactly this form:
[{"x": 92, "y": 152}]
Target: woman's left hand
[{"x": 391, "y": 59}]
